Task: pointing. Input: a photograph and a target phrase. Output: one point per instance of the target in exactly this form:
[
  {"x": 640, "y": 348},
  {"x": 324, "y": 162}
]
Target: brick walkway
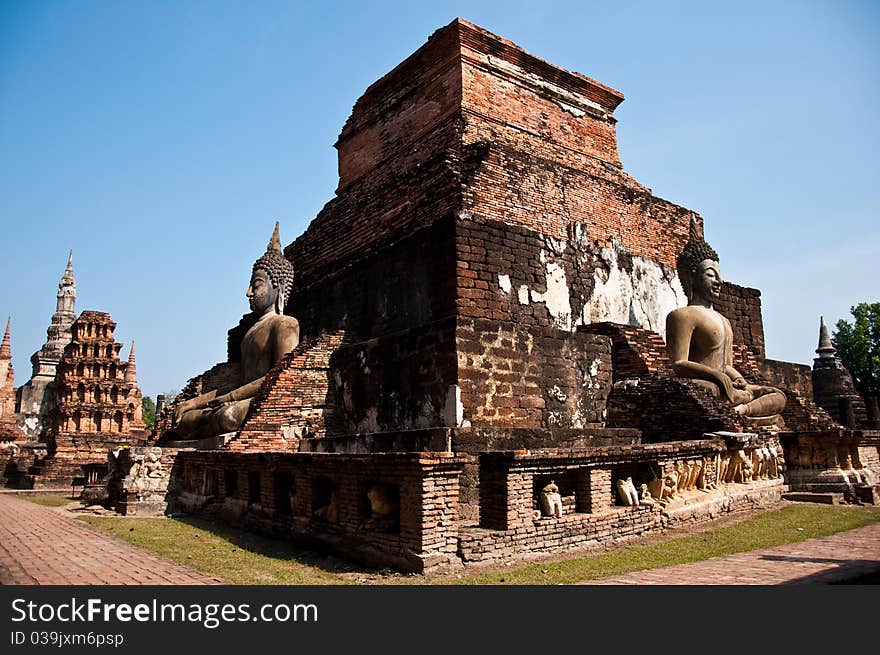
[
  {"x": 840, "y": 558},
  {"x": 39, "y": 545}
]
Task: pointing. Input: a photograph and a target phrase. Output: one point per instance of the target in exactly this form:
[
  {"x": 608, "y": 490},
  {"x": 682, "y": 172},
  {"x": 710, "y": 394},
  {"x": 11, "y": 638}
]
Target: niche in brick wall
[
  {"x": 565, "y": 480},
  {"x": 254, "y": 491},
  {"x": 212, "y": 482},
  {"x": 324, "y": 500},
  {"x": 284, "y": 488},
  {"x": 622, "y": 472},
  {"x": 230, "y": 479},
  {"x": 379, "y": 506}
]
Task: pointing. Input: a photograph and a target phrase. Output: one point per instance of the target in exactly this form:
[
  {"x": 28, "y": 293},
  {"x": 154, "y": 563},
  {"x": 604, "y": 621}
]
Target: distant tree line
[{"x": 858, "y": 346}]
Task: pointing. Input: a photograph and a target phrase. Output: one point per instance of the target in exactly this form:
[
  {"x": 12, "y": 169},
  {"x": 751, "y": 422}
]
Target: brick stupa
[
  {"x": 482, "y": 314},
  {"x": 8, "y": 429},
  {"x": 483, "y": 233},
  {"x": 99, "y": 403}
]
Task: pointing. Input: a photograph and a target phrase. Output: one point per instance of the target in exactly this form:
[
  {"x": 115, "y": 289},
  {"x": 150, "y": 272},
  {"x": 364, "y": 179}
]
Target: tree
[
  {"x": 858, "y": 346},
  {"x": 149, "y": 412}
]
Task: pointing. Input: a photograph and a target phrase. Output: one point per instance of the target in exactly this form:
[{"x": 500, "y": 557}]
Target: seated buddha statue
[
  {"x": 263, "y": 345},
  {"x": 699, "y": 340}
]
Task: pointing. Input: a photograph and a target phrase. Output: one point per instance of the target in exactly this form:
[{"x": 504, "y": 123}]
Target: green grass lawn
[
  {"x": 49, "y": 500},
  {"x": 245, "y": 558}
]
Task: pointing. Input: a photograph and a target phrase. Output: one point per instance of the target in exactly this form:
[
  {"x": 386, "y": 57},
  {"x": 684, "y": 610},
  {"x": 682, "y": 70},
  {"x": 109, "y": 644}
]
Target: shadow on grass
[{"x": 278, "y": 547}]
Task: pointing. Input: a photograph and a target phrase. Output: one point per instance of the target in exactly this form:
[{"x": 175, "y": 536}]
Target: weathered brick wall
[
  {"x": 289, "y": 493},
  {"x": 515, "y": 182},
  {"x": 68, "y": 452},
  {"x": 513, "y": 88},
  {"x": 378, "y": 211},
  {"x": 794, "y": 378},
  {"x": 397, "y": 382},
  {"x": 742, "y": 307},
  {"x": 513, "y": 375},
  {"x": 511, "y": 272},
  {"x": 222, "y": 377},
  {"x": 387, "y": 126},
  {"x": 668, "y": 409},
  {"x": 635, "y": 352},
  {"x": 294, "y": 401},
  {"x": 403, "y": 285},
  {"x": 511, "y": 484},
  {"x": 329, "y": 386}
]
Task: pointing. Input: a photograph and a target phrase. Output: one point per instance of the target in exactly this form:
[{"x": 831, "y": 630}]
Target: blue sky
[{"x": 161, "y": 140}]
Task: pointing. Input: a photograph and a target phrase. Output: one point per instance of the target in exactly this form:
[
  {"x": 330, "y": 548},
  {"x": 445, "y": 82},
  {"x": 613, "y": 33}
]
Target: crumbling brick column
[{"x": 600, "y": 498}]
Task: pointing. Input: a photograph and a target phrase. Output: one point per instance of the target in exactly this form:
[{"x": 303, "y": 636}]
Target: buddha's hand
[{"x": 739, "y": 383}]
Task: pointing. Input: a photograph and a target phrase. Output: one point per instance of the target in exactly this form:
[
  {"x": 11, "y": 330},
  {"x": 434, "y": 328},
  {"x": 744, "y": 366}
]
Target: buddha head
[
  {"x": 698, "y": 267},
  {"x": 271, "y": 280}
]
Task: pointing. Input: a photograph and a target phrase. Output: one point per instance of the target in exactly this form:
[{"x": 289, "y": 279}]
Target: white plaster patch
[
  {"x": 642, "y": 297},
  {"x": 556, "y": 296},
  {"x": 557, "y": 393},
  {"x": 557, "y": 246},
  {"x": 523, "y": 294},
  {"x": 453, "y": 410},
  {"x": 579, "y": 113},
  {"x": 504, "y": 283},
  {"x": 542, "y": 84}
]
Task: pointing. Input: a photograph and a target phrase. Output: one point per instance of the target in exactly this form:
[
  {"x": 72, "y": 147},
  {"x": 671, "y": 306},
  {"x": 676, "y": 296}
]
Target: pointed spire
[
  {"x": 131, "y": 369},
  {"x": 275, "y": 241},
  {"x": 67, "y": 279},
  {"x": 826, "y": 349},
  {"x": 5, "y": 350}
]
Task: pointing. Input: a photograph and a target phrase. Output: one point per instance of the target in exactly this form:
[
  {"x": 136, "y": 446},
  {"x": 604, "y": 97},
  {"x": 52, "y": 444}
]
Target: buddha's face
[
  {"x": 261, "y": 294},
  {"x": 707, "y": 279}
]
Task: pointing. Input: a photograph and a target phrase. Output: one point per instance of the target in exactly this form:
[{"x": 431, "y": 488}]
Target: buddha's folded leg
[{"x": 767, "y": 401}]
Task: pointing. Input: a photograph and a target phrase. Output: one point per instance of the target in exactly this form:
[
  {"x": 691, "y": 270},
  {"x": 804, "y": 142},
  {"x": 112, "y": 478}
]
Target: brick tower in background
[
  {"x": 99, "y": 403},
  {"x": 35, "y": 398}
]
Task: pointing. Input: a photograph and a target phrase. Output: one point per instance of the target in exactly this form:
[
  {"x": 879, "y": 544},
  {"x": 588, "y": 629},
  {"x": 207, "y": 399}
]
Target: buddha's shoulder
[
  {"x": 283, "y": 321},
  {"x": 687, "y": 312}
]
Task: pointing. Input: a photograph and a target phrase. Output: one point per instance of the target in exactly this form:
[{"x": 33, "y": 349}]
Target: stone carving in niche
[
  {"x": 330, "y": 511},
  {"x": 626, "y": 491},
  {"x": 551, "y": 500},
  {"x": 384, "y": 507},
  {"x": 664, "y": 488},
  {"x": 645, "y": 497}
]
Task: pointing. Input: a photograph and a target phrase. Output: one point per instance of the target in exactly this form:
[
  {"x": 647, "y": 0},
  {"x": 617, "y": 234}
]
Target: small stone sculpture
[
  {"x": 384, "y": 507},
  {"x": 551, "y": 501},
  {"x": 773, "y": 462},
  {"x": 735, "y": 466},
  {"x": 759, "y": 464},
  {"x": 626, "y": 490},
  {"x": 330, "y": 511},
  {"x": 705, "y": 480},
  {"x": 645, "y": 495}
]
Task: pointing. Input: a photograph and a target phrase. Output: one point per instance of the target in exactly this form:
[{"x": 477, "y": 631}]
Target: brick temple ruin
[
  {"x": 36, "y": 398},
  {"x": 8, "y": 424},
  {"x": 482, "y": 372},
  {"x": 80, "y": 401}
]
